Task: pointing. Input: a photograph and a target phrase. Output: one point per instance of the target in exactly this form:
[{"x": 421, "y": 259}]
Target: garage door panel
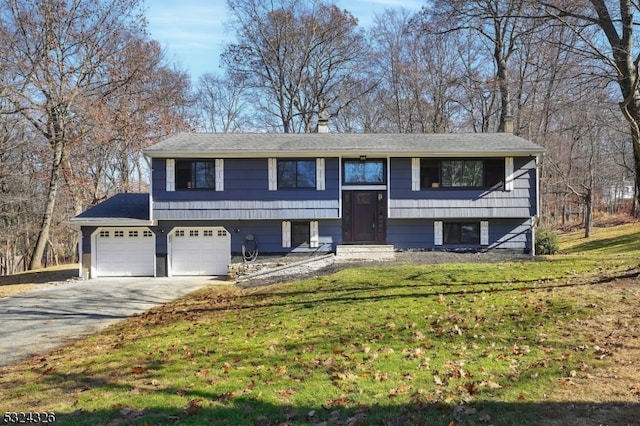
[
  {"x": 125, "y": 252},
  {"x": 200, "y": 251}
]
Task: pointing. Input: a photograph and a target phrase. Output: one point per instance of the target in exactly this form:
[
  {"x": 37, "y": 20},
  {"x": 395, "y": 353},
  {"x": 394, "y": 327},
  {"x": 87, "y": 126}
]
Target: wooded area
[{"x": 84, "y": 89}]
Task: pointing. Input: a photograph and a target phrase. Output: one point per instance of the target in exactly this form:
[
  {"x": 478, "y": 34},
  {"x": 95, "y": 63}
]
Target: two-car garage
[{"x": 131, "y": 251}]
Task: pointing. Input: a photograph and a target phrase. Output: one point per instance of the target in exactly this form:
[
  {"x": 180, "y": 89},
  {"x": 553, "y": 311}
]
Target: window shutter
[
  {"x": 219, "y": 174},
  {"x": 170, "y": 175},
  {"x": 484, "y": 232},
  {"x": 437, "y": 233},
  {"x": 320, "y": 184},
  {"x": 415, "y": 174},
  {"x": 508, "y": 174},
  {"x": 273, "y": 175},
  {"x": 286, "y": 234},
  {"x": 314, "y": 240}
]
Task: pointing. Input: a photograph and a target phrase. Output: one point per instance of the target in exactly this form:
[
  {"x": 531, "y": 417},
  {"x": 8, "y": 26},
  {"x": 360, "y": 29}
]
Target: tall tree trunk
[
  {"x": 47, "y": 218},
  {"x": 588, "y": 213},
  {"x": 505, "y": 95}
]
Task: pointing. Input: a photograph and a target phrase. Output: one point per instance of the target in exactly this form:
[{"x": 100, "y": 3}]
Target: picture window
[
  {"x": 364, "y": 172},
  {"x": 461, "y": 173}
]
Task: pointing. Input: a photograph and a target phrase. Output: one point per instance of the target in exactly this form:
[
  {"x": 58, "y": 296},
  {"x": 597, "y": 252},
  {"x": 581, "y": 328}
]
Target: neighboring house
[{"x": 310, "y": 193}]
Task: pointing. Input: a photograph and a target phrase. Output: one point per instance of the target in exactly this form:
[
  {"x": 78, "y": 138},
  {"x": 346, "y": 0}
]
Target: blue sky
[{"x": 193, "y": 31}]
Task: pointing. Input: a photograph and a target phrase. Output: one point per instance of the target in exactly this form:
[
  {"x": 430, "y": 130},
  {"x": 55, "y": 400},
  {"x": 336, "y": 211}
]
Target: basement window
[
  {"x": 461, "y": 233},
  {"x": 300, "y": 232}
]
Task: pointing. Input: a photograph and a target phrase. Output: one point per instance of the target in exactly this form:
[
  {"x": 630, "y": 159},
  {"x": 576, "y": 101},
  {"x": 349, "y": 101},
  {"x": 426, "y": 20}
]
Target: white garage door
[
  {"x": 200, "y": 251},
  {"x": 125, "y": 252}
]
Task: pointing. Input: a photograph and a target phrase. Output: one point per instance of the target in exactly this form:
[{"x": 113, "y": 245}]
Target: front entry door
[{"x": 364, "y": 217}]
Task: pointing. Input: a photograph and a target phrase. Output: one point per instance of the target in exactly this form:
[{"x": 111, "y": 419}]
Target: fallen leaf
[
  {"x": 192, "y": 407},
  {"x": 491, "y": 385},
  {"x": 471, "y": 387},
  {"x": 380, "y": 377}
]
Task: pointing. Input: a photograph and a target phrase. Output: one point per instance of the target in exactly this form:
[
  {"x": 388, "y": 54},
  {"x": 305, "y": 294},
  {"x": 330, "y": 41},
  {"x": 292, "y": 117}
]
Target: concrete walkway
[{"x": 37, "y": 322}]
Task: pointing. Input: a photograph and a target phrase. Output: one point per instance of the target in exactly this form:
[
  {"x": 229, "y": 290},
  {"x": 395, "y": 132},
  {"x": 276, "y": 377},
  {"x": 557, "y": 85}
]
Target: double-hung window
[
  {"x": 296, "y": 174},
  {"x": 195, "y": 174}
]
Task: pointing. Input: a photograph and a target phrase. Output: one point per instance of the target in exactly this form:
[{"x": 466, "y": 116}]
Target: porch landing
[{"x": 365, "y": 252}]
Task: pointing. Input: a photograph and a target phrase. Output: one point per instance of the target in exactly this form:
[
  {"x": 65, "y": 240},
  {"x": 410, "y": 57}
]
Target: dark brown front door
[{"x": 364, "y": 217}]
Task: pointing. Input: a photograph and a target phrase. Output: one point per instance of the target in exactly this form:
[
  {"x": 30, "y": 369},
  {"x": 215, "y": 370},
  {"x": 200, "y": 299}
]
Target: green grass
[{"x": 469, "y": 343}]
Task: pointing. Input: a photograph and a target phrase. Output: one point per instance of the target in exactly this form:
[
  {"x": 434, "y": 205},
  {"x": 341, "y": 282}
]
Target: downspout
[{"x": 536, "y": 217}]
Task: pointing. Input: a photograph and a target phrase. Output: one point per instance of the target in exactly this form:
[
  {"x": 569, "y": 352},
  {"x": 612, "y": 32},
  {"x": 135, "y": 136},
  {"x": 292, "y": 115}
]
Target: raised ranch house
[{"x": 217, "y": 195}]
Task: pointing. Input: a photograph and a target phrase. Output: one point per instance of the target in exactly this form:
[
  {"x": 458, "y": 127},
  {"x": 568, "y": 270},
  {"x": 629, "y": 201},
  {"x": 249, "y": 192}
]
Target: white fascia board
[
  {"x": 343, "y": 154},
  {"x": 110, "y": 221}
]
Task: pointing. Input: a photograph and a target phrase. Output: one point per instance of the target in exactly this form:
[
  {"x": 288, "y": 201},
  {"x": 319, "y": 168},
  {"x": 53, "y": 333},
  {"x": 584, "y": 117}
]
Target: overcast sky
[{"x": 193, "y": 31}]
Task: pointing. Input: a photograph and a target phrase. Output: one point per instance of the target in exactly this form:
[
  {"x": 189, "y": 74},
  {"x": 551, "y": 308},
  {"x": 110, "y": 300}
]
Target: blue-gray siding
[
  {"x": 462, "y": 203},
  {"x": 267, "y": 233},
  {"x": 86, "y": 238},
  {"x": 246, "y": 195},
  {"x": 511, "y": 234}
]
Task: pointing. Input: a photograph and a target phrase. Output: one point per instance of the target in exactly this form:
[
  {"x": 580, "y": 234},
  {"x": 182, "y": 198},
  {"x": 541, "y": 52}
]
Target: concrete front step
[{"x": 365, "y": 252}]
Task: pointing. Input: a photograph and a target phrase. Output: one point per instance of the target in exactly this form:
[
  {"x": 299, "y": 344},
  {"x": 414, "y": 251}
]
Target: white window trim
[
  {"x": 320, "y": 175},
  {"x": 415, "y": 174},
  {"x": 170, "y": 175},
  {"x": 273, "y": 174},
  {"x": 484, "y": 232},
  {"x": 437, "y": 233},
  {"x": 286, "y": 234},
  {"x": 314, "y": 237},
  {"x": 219, "y": 174},
  {"x": 508, "y": 174}
]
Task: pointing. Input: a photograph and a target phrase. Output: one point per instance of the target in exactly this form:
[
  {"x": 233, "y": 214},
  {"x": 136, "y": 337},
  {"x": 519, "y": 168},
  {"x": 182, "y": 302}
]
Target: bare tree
[
  {"x": 300, "y": 57},
  {"x": 63, "y": 58},
  {"x": 613, "y": 45},
  {"x": 500, "y": 23},
  {"x": 221, "y": 104}
]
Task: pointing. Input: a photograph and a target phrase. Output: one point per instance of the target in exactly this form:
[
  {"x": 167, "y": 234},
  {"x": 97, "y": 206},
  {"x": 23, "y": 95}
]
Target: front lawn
[{"x": 508, "y": 343}]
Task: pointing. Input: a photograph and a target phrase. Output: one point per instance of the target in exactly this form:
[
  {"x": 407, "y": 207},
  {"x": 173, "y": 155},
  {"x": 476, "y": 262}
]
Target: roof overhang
[
  {"x": 110, "y": 221},
  {"x": 338, "y": 154}
]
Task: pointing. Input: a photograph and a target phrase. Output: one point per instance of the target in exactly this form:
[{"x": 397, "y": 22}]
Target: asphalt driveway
[{"x": 37, "y": 322}]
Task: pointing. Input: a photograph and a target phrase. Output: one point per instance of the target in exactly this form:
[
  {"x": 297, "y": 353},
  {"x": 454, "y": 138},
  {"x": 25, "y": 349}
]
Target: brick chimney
[{"x": 323, "y": 122}]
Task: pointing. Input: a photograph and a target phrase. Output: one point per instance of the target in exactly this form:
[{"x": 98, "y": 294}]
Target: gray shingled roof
[
  {"x": 121, "y": 209},
  {"x": 341, "y": 144}
]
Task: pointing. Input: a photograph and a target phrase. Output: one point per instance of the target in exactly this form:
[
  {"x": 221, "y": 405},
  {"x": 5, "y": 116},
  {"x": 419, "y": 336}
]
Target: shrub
[{"x": 546, "y": 241}]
